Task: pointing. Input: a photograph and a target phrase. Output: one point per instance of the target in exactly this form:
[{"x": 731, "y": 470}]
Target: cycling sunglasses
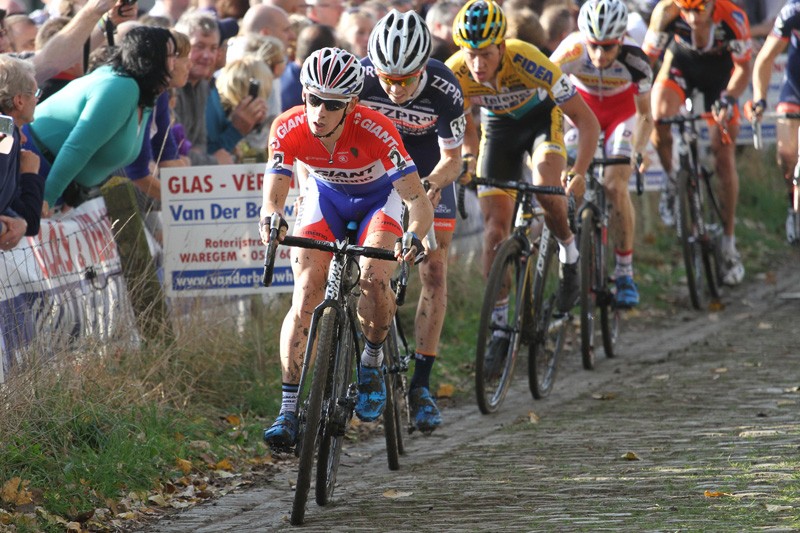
[
  {"x": 331, "y": 105},
  {"x": 699, "y": 9},
  {"x": 402, "y": 81},
  {"x": 607, "y": 47}
]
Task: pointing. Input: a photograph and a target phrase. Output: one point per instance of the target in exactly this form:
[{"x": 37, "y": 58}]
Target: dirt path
[{"x": 700, "y": 402}]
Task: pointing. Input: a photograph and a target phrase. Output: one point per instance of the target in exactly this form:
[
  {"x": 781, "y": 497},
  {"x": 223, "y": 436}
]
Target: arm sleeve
[
  {"x": 29, "y": 202},
  {"x": 221, "y": 133},
  {"x": 140, "y": 168},
  {"x": 163, "y": 137}
]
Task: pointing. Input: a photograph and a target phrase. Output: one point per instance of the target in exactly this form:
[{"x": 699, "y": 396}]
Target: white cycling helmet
[
  {"x": 400, "y": 43},
  {"x": 603, "y": 20},
  {"x": 333, "y": 71}
]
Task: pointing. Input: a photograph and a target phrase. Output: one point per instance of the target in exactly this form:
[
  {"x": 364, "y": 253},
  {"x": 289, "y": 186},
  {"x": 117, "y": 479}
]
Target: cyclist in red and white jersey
[
  {"x": 710, "y": 52},
  {"x": 614, "y": 77},
  {"x": 358, "y": 170}
]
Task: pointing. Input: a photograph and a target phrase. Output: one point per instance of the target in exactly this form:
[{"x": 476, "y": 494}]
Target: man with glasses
[
  {"x": 710, "y": 51},
  {"x": 523, "y": 98},
  {"x": 358, "y": 171},
  {"x": 614, "y": 77},
  {"x": 423, "y": 99}
]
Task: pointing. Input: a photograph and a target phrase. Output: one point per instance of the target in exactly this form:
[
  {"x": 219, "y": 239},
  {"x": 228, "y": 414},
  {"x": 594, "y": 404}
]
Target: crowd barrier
[{"x": 62, "y": 285}]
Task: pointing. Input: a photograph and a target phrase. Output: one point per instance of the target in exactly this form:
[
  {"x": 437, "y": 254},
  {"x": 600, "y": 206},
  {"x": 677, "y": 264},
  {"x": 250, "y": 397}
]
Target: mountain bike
[
  {"x": 524, "y": 275},
  {"x": 596, "y": 284},
  {"x": 326, "y": 401},
  {"x": 793, "y": 221},
  {"x": 697, "y": 211}
]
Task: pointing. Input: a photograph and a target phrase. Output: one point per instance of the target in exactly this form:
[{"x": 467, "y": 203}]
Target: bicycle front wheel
[
  {"x": 395, "y": 400},
  {"x": 337, "y": 408},
  {"x": 589, "y": 264},
  {"x": 689, "y": 236},
  {"x": 312, "y": 411},
  {"x": 499, "y": 330},
  {"x": 549, "y": 327}
]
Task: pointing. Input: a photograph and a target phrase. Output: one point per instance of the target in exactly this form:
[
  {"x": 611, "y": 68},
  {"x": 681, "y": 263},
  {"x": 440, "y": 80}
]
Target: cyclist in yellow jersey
[{"x": 522, "y": 97}]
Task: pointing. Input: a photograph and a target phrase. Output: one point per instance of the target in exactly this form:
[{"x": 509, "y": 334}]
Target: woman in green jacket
[{"x": 95, "y": 124}]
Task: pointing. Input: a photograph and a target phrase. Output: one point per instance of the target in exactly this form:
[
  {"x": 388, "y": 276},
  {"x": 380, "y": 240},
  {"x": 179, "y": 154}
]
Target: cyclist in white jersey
[{"x": 614, "y": 77}]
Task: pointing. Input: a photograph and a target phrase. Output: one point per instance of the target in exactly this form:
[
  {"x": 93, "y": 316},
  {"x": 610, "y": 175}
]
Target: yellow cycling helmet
[
  {"x": 690, "y": 5},
  {"x": 479, "y": 24}
]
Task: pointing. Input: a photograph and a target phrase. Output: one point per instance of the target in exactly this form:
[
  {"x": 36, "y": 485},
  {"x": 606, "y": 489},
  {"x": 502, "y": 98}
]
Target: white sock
[
  {"x": 372, "y": 356},
  {"x": 568, "y": 251}
]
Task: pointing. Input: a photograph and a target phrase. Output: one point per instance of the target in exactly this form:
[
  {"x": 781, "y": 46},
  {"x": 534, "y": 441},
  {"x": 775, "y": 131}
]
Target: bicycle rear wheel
[
  {"x": 498, "y": 343},
  {"x": 337, "y": 408},
  {"x": 589, "y": 264},
  {"x": 395, "y": 400},
  {"x": 689, "y": 235},
  {"x": 311, "y": 411},
  {"x": 549, "y": 327}
]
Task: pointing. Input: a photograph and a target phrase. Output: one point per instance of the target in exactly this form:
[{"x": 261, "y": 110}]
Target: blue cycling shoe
[
  {"x": 424, "y": 412},
  {"x": 282, "y": 434},
  {"x": 627, "y": 292},
  {"x": 371, "y": 393}
]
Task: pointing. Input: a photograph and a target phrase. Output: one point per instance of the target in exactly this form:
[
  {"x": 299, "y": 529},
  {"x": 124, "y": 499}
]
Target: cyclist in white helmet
[
  {"x": 423, "y": 99},
  {"x": 614, "y": 77},
  {"x": 358, "y": 170}
]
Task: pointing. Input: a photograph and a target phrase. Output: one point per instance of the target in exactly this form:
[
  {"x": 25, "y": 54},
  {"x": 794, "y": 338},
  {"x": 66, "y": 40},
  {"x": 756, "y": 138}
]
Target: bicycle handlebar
[
  {"x": 755, "y": 123},
  {"x": 521, "y": 186},
  {"x": 335, "y": 247},
  {"x": 693, "y": 117}
]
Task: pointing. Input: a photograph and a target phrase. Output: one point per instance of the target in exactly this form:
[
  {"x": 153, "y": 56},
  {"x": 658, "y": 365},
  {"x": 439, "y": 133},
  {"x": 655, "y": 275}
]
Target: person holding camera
[
  {"x": 243, "y": 82},
  {"x": 21, "y": 186}
]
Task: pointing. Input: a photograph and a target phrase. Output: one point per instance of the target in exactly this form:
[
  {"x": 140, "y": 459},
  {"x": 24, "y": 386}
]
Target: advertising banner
[{"x": 211, "y": 243}]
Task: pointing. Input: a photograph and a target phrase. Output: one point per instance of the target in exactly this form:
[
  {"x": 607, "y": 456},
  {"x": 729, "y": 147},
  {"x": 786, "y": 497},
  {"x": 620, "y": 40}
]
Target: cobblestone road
[{"x": 694, "y": 402}]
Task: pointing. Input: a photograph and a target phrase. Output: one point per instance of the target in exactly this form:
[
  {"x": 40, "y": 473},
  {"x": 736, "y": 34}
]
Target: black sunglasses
[
  {"x": 607, "y": 47},
  {"x": 331, "y": 105}
]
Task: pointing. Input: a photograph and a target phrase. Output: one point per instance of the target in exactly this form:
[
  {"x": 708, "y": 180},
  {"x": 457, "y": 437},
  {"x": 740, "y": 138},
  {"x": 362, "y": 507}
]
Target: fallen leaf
[
  {"x": 184, "y": 465},
  {"x": 715, "y": 494},
  {"x": 720, "y": 370},
  {"x": 715, "y": 305},
  {"x": 158, "y": 499},
  {"x": 777, "y": 508},
  {"x": 15, "y": 492},
  {"x": 764, "y": 325},
  {"x": 74, "y": 527},
  {"x": 130, "y": 515},
  {"x": 224, "y": 464},
  {"x": 661, "y": 377},
  {"x": 630, "y": 456},
  {"x": 445, "y": 390},
  {"x": 394, "y": 494},
  {"x": 604, "y": 395},
  {"x": 5, "y": 518},
  {"x": 533, "y": 418},
  {"x": 234, "y": 420}
]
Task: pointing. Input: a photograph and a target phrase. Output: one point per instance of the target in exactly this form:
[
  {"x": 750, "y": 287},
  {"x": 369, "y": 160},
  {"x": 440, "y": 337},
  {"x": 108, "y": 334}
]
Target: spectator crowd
[{"x": 101, "y": 88}]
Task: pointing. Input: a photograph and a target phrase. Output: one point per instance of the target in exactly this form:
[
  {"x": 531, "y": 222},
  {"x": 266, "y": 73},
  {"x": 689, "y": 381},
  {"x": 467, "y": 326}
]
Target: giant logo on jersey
[
  {"x": 346, "y": 177},
  {"x": 283, "y": 129}
]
